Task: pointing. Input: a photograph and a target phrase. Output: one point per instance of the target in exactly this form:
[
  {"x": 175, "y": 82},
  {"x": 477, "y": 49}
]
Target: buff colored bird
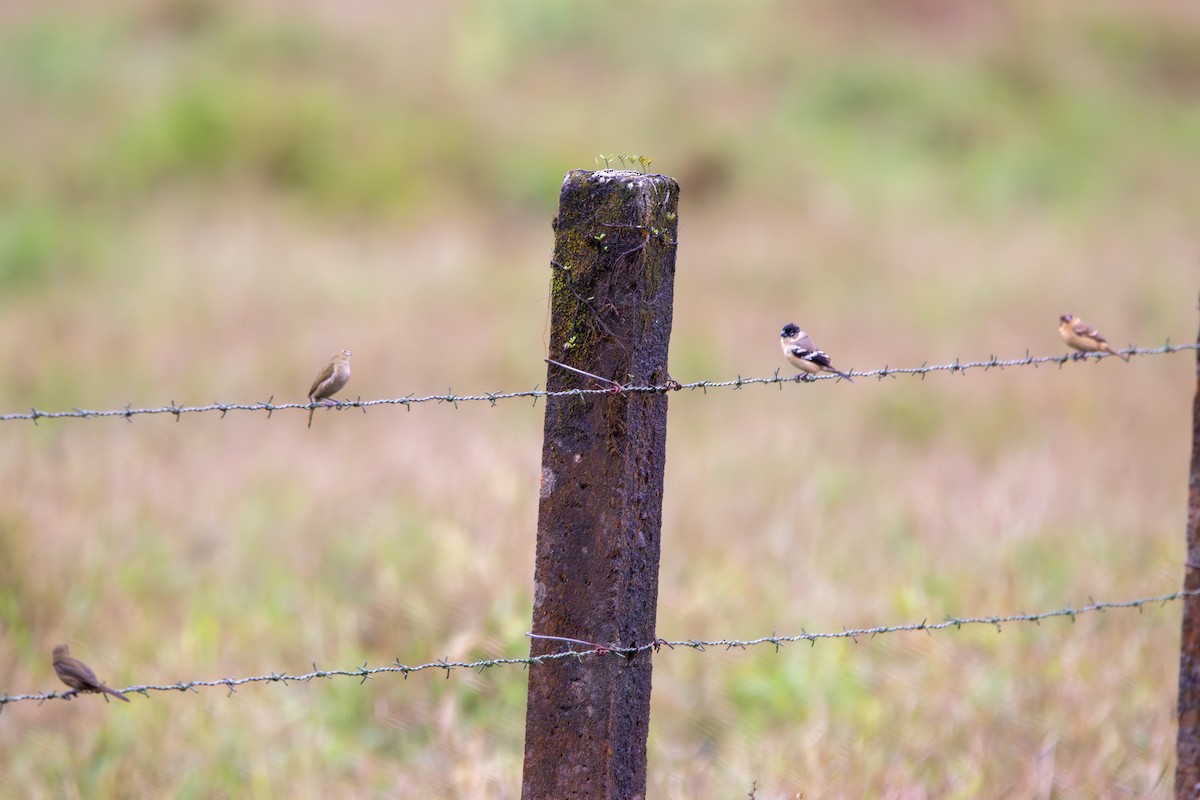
[
  {"x": 1084, "y": 337},
  {"x": 331, "y": 380},
  {"x": 78, "y": 675}
]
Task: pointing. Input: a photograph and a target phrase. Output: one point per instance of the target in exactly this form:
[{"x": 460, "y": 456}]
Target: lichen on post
[{"x": 600, "y": 507}]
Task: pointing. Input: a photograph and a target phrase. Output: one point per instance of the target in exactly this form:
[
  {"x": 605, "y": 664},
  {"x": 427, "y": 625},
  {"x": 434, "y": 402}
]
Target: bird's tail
[
  {"x": 114, "y": 693},
  {"x": 1122, "y": 356},
  {"x": 310, "y": 413},
  {"x": 844, "y": 375}
]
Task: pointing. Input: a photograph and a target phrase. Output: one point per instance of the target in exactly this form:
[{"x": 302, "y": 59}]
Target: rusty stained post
[
  {"x": 1187, "y": 745},
  {"x": 600, "y": 509}
]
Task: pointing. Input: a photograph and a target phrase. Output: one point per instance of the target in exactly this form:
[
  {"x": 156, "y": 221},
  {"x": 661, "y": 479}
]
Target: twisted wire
[
  {"x": 364, "y": 672},
  {"x": 269, "y": 406}
]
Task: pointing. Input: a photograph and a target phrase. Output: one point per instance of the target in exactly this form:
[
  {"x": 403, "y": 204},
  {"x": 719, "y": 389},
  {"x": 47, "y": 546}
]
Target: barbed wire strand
[
  {"x": 364, "y": 672},
  {"x": 270, "y": 406}
]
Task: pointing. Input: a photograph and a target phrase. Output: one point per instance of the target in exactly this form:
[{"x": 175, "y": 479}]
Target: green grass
[{"x": 204, "y": 201}]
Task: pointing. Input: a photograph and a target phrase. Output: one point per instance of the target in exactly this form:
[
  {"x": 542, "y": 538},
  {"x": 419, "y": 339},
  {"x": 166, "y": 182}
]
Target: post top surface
[{"x": 632, "y": 178}]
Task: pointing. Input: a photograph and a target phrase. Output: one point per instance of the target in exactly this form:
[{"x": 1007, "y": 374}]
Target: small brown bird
[
  {"x": 331, "y": 380},
  {"x": 801, "y": 353},
  {"x": 78, "y": 675},
  {"x": 1083, "y": 337}
]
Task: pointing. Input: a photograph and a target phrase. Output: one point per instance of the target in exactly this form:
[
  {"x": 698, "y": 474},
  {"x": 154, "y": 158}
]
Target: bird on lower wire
[
  {"x": 802, "y": 354},
  {"x": 1084, "y": 337},
  {"x": 78, "y": 675},
  {"x": 331, "y": 380}
]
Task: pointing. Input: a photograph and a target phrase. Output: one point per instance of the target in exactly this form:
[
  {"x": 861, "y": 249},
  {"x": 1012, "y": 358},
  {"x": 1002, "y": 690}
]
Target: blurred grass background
[{"x": 202, "y": 200}]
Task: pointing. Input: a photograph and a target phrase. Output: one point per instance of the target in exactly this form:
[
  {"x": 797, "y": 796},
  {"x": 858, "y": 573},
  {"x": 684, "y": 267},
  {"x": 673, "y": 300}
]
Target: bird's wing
[
  {"x": 325, "y": 375},
  {"x": 804, "y": 342},
  {"x": 80, "y": 671},
  {"x": 815, "y": 356},
  {"x": 1087, "y": 331}
]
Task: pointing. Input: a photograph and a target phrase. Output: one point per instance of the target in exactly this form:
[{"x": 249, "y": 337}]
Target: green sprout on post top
[
  {"x": 628, "y": 161},
  {"x": 642, "y": 161}
]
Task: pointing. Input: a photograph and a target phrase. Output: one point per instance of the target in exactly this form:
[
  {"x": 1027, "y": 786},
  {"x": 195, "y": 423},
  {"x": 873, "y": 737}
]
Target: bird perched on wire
[
  {"x": 1084, "y": 337},
  {"x": 78, "y": 675},
  {"x": 802, "y": 354},
  {"x": 331, "y": 380}
]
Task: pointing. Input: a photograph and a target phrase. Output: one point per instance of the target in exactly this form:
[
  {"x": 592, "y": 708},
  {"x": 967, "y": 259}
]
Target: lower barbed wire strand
[{"x": 700, "y": 645}]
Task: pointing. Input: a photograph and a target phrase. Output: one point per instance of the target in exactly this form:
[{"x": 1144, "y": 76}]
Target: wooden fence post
[
  {"x": 1187, "y": 745},
  {"x": 600, "y": 508}
]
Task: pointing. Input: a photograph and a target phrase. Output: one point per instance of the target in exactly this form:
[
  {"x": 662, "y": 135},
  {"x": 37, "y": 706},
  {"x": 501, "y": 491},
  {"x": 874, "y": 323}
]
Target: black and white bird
[{"x": 802, "y": 354}]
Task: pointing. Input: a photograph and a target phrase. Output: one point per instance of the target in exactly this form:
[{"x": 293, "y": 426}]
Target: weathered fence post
[
  {"x": 600, "y": 509},
  {"x": 1187, "y": 745}
]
